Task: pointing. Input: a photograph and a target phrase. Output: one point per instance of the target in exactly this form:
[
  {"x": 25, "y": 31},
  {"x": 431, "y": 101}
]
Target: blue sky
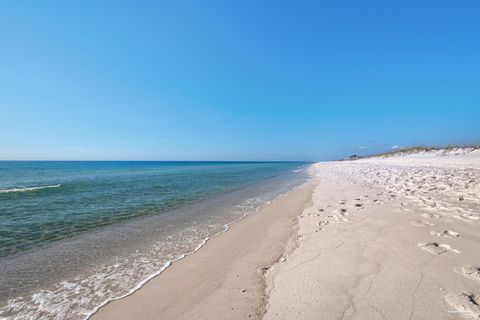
[{"x": 235, "y": 80}]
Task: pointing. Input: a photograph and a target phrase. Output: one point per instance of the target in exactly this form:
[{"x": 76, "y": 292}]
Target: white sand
[{"x": 386, "y": 238}]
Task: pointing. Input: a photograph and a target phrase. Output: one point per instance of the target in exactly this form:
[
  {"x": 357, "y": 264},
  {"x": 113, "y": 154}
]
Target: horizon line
[{"x": 144, "y": 160}]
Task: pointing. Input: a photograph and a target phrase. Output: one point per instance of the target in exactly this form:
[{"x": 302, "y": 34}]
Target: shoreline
[
  {"x": 92, "y": 269},
  {"x": 325, "y": 249},
  {"x": 296, "y": 199}
]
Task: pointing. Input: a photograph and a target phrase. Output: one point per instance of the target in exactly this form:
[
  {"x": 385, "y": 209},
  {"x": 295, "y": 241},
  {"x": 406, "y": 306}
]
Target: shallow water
[{"x": 75, "y": 235}]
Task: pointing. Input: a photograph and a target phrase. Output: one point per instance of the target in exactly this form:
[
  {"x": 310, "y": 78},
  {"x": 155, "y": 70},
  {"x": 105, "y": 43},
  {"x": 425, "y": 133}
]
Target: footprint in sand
[
  {"x": 471, "y": 217},
  {"x": 445, "y": 233},
  {"x": 323, "y": 224},
  {"x": 436, "y": 248},
  {"x": 428, "y": 215},
  {"x": 422, "y": 223},
  {"x": 467, "y": 217},
  {"x": 472, "y": 272},
  {"x": 465, "y": 305}
]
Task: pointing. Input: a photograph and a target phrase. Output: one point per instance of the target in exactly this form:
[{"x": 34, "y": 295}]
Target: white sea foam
[
  {"x": 203, "y": 242},
  {"x": 29, "y": 188},
  {"x": 82, "y": 297}
]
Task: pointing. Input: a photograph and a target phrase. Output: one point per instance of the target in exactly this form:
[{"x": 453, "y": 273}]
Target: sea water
[{"x": 75, "y": 235}]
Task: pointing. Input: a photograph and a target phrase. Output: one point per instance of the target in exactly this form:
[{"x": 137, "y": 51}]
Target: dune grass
[{"x": 418, "y": 149}]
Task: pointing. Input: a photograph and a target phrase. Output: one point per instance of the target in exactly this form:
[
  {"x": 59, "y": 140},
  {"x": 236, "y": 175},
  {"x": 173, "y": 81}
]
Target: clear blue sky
[{"x": 228, "y": 80}]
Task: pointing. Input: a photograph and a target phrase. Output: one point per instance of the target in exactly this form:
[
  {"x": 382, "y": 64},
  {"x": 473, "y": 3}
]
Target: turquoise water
[
  {"x": 41, "y": 202},
  {"x": 75, "y": 235}
]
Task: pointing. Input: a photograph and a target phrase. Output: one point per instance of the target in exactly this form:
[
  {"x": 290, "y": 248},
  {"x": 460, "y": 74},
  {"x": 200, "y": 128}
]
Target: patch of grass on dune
[{"x": 419, "y": 149}]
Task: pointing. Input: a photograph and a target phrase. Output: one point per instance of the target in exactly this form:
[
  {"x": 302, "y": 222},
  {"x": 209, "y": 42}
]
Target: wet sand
[{"x": 224, "y": 279}]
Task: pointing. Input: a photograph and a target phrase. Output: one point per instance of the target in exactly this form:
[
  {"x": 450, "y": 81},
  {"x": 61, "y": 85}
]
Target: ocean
[{"x": 75, "y": 235}]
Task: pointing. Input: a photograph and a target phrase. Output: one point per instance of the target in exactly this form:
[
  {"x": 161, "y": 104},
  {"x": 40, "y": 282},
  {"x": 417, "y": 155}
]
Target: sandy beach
[
  {"x": 386, "y": 238},
  {"x": 229, "y": 160},
  {"x": 378, "y": 238}
]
